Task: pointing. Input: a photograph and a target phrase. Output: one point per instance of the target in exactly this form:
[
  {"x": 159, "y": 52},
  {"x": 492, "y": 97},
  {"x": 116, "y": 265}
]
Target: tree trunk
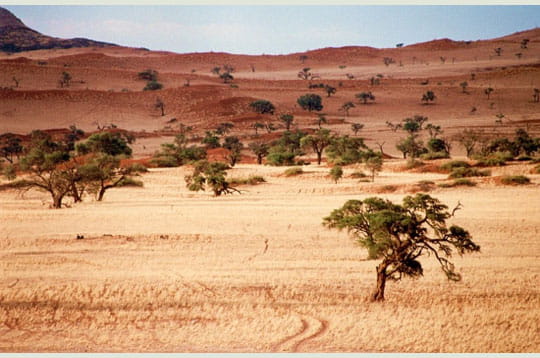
[
  {"x": 319, "y": 157},
  {"x": 259, "y": 159},
  {"x": 57, "y": 201},
  {"x": 378, "y": 294},
  {"x": 101, "y": 193}
]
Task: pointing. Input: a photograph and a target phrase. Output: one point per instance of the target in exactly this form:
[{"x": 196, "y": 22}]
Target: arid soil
[{"x": 164, "y": 269}]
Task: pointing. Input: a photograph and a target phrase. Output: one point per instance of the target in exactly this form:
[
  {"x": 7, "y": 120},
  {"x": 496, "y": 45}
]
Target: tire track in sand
[{"x": 311, "y": 328}]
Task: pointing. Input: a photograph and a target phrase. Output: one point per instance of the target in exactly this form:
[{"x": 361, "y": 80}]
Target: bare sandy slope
[{"x": 165, "y": 269}]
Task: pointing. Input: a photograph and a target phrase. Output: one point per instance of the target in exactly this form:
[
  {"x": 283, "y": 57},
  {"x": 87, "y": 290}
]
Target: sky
[{"x": 275, "y": 29}]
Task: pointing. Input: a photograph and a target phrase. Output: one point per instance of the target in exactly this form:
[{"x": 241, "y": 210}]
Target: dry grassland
[{"x": 167, "y": 270}]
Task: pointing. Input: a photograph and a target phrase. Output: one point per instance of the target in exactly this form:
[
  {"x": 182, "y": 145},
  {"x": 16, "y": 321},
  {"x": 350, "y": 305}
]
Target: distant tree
[
  {"x": 411, "y": 145},
  {"x": 226, "y": 77},
  {"x": 228, "y": 68},
  {"x": 260, "y": 150},
  {"x": 287, "y": 119},
  {"x": 336, "y": 173},
  {"x": 234, "y": 146},
  {"x": 347, "y": 106},
  {"x": 365, "y": 96},
  {"x": 16, "y": 80},
  {"x": 224, "y": 128},
  {"x": 433, "y": 130},
  {"x": 400, "y": 234},
  {"x": 356, "y": 127},
  {"x": 321, "y": 118},
  {"x": 160, "y": 105},
  {"x": 488, "y": 91},
  {"x": 110, "y": 143},
  {"x": 345, "y": 150},
  {"x": 262, "y": 107},
  {"x": 329, "y": 90},
  {"x": 388, "y": 60},
  {"x": 374, "y": 81},
  {"x": 374, "y": 163},
  {"x": 349, "y": 76},
  {"x": 303, "y": 58},
  {"x": 216, "y": 70},
  {"x": 429, "y": 96},
  {"x": 464, "y": 85},
  {"x": 310, "y": 102},
  {"x": 318, "y": 142},
  {"x": 305, "y": 74},
  {"x": 468, "y": 138},
  {"x": 152, "y": 86},
  {"x": 257, "y": 126},
  {"x": 443, "y": 59},
  {"x": 536, "y": 95},
  {"x": 148, "y": 75},
  {"x": 399, "y": 45},
  {"x": 211, "y": 176},
  {"x": 498, "y": 51},
  {"x": 65, "y": 79},
  {"x": 269, "y": 127},
  {"x": 524, "y": 43},
  {"x": 518, "y": 55},
  {"x": 10, "y": 147},
  {"x": 211, "y": 140}
]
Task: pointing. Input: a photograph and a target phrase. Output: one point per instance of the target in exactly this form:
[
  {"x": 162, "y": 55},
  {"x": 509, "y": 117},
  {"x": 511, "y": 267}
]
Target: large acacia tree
[{"x": 399, "y": 235}]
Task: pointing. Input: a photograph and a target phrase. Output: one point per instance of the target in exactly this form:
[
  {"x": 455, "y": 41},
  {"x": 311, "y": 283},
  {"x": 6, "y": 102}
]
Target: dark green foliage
[
  {"x": 287, "y": 119},
  {"x": 310, "y": 102},
  {"x": 235, "y": 147},
  {"x": 399, "y": 235},
  {"x": 373, "y": 162},
  {"x": 73, "y": 136},
  {"x": 365, "y": 96},
  {"x": 347, "y": 107},
  {"x": 280, "y": 156},
  {"x": 111, "y": 143},
  {"x": 435, "y": 155},
  {"x": 336, "y": 173},
  {"x": 260, "y": 150},
  {"x": 345, "y": 150},
  {"x": 178, "y": 153},
  {"x": 515, "y": 180},
  {"x": 284, "y": 150},
  {"x": 148, "y": 75},
  {"x": 262, "y": 107},
  {"x": 10, "y": 147},
  {"x": 226, "y": 77},
  {"x": 211, "y": 140},
  {"x": 429, "y": 96},
  {"x": 437, "y": 145},
  {"x": 329, "y": 90},
  {"x": 152, "y": 86},
  {"x": 458, "y": 182},
  {"x": 468, "y": 172},
  {"x": 224, "y": 128},
  {"x": 318, "y": 142},
  {"x": 496, "y": 159},
  {"x": 211, "y": 176}
]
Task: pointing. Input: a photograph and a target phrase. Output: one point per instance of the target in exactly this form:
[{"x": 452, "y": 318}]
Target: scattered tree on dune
[
  {"x": 356, "y": 127},
  {"x": 234, "y": 146},
  {"x": 287, "y": 119},
  {"x": 346, "y": 107},
  {"x": 318, "y": 142},
  {"x": 262, "y": 107},
  {"x": 365, "y": 96},
  {"x": 399, "y": 235},
  {"x": 429, "y": 96},
  {"x": 310, "y": 102},
  {"x": 260, "y": 150},
  {"x": 160, "y": 105},
  {"x": 488, "y": 91},
  {"x": 211, "y": 176}
]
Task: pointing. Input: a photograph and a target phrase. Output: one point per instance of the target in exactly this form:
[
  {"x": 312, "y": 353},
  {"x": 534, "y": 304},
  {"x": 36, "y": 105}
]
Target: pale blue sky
[{"x": 275, "y": 29}]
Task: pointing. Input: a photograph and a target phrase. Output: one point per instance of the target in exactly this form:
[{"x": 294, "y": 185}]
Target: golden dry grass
[{"x": 164, "y": 269}]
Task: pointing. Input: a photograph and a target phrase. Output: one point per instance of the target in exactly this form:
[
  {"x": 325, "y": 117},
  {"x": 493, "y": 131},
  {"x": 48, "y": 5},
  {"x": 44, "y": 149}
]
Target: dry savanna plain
[{"x": 165, "y": 269}]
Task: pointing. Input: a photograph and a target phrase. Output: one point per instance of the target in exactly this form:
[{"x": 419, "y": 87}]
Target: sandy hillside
[{"x": 163, "y": 269}]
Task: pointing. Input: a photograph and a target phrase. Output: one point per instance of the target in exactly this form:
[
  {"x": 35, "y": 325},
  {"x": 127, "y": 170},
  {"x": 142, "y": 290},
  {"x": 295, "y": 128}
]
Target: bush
[
  {"x": 251, "y": 180},
  {"x": 458, "y": 182},
  {"x": 280, "y": 158},
  {"x": 497, "y": 159},
  {"x": 152, "y": 86},
  {"x": 413, "y": 163},
  {"x": 524, "y": 158},
  {"x": 358, "y": 175},
  {"x": 468, "y": 172},
  {"x": 165, "y": 161},
  {"x": 536, "y": 169},
  {"x": 293, "y": 171},
  {"x": 18, "y": 184},
  {"x": 435, "y": 155},
  {"x": 130, "y": 182},
  {"x": 515, "y": 180},
  {"x": 9, "y": 172},
  {"x": 449, "y": 166},
  {"x": 138, "y": 168},
  {"x": 336, "y": 173}
]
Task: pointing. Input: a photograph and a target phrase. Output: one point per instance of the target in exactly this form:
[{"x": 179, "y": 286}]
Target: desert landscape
[{"x": 159, "y": 266}]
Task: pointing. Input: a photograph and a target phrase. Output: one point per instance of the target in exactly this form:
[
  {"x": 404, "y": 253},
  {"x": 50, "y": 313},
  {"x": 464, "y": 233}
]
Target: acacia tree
[
  {"x": 310, "y": 102},
  {"x": 260, "y": 150},
  {"x": 235, "y": 146},
  {"x": 373, "y": 162},
  {"x": 10, "y": 146},
  {"x": 536, "y": 95},
  {"x": 318, "y": 142},
  {"x": 211, "y": 176},
  {"x": 346, "y": 107},
  {"x": 488, "y": 91},
  {"x": 410, "y": 145},
  {"x": 464, "y": 85},
  {"x": 400, "y": 234},
  {"x": 329, "y": 90},
  {"x": 262, "y": 106},
  {"x": 364, "y": 96},
  {"x": 257, "y": 126},
  {"x": 356, "y": 127},
  {"x": 160, "y": 105},
  {"x": 287, "y": 119},
  {"x": 429, "y": 96}
]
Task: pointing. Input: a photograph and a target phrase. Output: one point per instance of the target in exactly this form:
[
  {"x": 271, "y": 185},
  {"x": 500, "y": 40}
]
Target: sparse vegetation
[
  {"x": 515, "y": 180},
  {"x": 294, "y": 171},
  {"x": 336, "y": 173}
]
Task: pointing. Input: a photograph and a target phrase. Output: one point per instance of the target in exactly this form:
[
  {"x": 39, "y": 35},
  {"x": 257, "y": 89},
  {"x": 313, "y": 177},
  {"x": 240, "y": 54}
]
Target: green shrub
[
  {"x": 515, "y": 180},
  {"x": 280, "y": 158},
  {"x": 536, "y": 169},
  {"x": 336, "y": 173},
  {"x": 458, "y": 182},
  {"x": 293, "y": 171},
  {"x": 130, "y": 182},
  {"x": 468, "y": 172},
  {"x": 435, "y": 155},
  {"x": 413, "y": 163},
  {"x": 138, "y": 168},
  {"x": 165, "y": 161},
  {"x": 449, "y": 166},
  {"x": 491, "y": 161}
]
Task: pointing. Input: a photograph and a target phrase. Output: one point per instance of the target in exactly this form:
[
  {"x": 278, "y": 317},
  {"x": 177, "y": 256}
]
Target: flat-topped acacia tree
[{"x": 400, "y": 234}]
